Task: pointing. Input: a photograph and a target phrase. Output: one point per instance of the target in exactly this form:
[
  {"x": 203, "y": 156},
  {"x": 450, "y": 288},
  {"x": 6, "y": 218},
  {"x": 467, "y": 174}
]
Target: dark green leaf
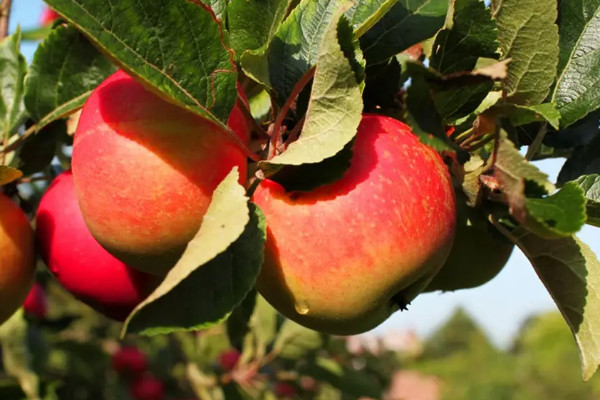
[
  {"x": 215, "y": 272},
  {"x": 294, "y": 49},
  {"x": 219, "y": 7},
  {"x": 562, "y": 214},
  {"x": 13, "y": 67},
  {"x": 471, "y": 35},
  {"x": 364, "y": 14},
  {"x": 252, "y": 24},
  {"x": 175, "y": 46},
  {"x": 522, "y": 115},
  {"x": 529, "y": 37},
  {"x": 353, "y": 383},
  {"x": 407, "y": 23},
  {"x": 38, "y": 150},
  {"x": 571, "y": 273},
  {"x": 585, "y": 160},
  {"x": 591, "y": 188},
  {"x": 238, "y": 321},
  {"x": 335, "y": 107},
  {"x": 65, "y": 70},
  {"x": 263, "y": 327},
  {"x": 577, "y": 91}
]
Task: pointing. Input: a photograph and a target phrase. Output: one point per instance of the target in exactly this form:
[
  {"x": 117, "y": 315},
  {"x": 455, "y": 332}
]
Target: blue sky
[{"x": 499, "y": 306}]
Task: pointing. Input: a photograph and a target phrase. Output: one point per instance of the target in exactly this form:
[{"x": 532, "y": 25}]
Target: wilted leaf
[
  {"x": 9, "y": 174},
  {"x": 571, "y": 273},
  {"x": 335, "y": 107},
  {"x": 13, "y": 67},
  {"x": 472, "y": 34},
  {"x": 177, "y": 47},
  {"x": 591, "y": 188},
  {"x": 577, "y": 91},
  {"x": 65, "y": 70},
  {"x": 407, "y": 23},
  {"x": 528, "y": 36},
  {"x": 215, "y": 272}
]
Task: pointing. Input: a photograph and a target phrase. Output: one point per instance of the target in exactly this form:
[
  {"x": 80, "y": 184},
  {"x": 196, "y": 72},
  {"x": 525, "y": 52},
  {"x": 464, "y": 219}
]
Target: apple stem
[
  {"x": 4, "y": 16},
  {"x": 306, "y": 78}
]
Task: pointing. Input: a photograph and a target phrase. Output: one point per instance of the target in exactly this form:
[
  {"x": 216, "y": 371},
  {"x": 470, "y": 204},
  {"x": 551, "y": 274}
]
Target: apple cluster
[{"x": 339, "y": 258}]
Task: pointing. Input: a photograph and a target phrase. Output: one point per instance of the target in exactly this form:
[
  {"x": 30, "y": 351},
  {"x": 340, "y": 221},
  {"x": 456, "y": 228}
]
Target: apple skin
[
  {"x": 129, "y": 361},
  {"x": 78, "y": 261},
  {"x": 341, "y": 258},
  {"x": 478, "y": 254},
  {"x": 17, "y": 257},
  {"x": 145, "y": 171},
  {"x": 229, "y": 359},
  {"x": 147, "y": 387},
  {"x": 36, "y": 303},
  {"x": 48, "y": 16}
]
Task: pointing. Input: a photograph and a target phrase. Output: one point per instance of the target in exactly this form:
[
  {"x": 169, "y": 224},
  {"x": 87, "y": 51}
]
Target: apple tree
[{"x": 336, "y": 158}]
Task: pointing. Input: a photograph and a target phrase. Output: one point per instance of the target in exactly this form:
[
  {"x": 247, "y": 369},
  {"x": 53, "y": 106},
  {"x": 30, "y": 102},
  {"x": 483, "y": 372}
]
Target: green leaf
[
  {"x": 407, "y": 23},
  {"x": 252, "y": 24},
  {"x": 591, "y": 189},
  {"x": 175, "y": 46},
  {"x": 472, "y": 34},
  {"x": 294, "y": 49},
  {"x": 219, "y": 7},
  {"x": 9, "y": 174},
  {"x": 529, "y": 38},
  {"x": 577, "y": 91},
  {"x": 562, "y": 214},
  {"x": 38, "y": 150},
  {"x": 522, "y": 115},
  {"x": 355, "y": 384},
  {"x": 513, "y": 171},
  {"x": 364, "y": 14},
  {"x": 263, "y": 327},
  {"x": 571, "y": 273},
  {"x": 16, "y": 358},
  {"x": 215, "y": 272},
  {"x": 65, "y": 70},
  {"x": 13, "y": 67},
  {"x": 238, "y": 321},
  {"x": 296, "y": 342},
  {"x": 585, "y": 160},
  {"x": 335, "y": 107}
]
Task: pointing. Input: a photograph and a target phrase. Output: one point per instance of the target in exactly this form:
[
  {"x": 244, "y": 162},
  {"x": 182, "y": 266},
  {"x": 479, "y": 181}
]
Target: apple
[
  {"x": 48, "y": 16},
  {"x": 478, "y": 254},
  {"x": 284, "y": 390},
  {"x": 17, "y": 257},
  {"x": 229, "y": 359},
  {"x": 343, "y": 257},
  {"x": 145, "y": 171},
  {"x": 147, "y": 387},
  {"x": 78, "y": 261},
  {"x": 36, "y": 303},
  {"x": 129, "y": 361}
]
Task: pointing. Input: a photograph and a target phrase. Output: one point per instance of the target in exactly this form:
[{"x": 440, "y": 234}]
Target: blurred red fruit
[
  {"x": 283, "y": 389},
  {"x": 48, "y": 16},
  {"x": 129, "y": 360},
  {"x": 147, "y": 387},
  {"x": 36, "y": 304},
  {"x": 229, "y": 359}
]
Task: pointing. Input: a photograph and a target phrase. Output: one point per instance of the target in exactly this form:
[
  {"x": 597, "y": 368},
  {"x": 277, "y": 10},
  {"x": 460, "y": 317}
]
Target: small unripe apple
[
  {"x": 478, "y": 254},
  {"x": 147, "y": 387},
  {"x": 229, "y": 359},
  {"x": 129, "y": 361},
  {"x": 145, "y": 171},
  {"x": 36, "y": 303},
  {"x": 78, "y": 261},
  {"x": 48, "y": 16},
  {"x": 343, "y": 257},
  {"x": 17, "y": 257}
]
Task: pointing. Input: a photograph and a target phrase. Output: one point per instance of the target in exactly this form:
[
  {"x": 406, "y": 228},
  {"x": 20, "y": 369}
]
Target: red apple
[
  {"x": 147, "y": 387},
  {"x": 343, "y": 257},
  {"x": 129, "y": 361},
  {"x": 229, "y": 359},
  {"x": 145, "y": 171},
  {"x": 17, "y": 257},
  {"x": 284, "y": 390},
  {"x": 48, "y": 16},
  {"x": 78, "y": 262},
  {"x": 36, "y": 303}
]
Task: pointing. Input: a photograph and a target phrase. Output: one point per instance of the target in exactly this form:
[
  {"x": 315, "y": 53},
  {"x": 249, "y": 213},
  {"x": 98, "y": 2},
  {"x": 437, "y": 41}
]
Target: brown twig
[
  {"x": 535, "y": 145},
  {"x": 4, "y": 17},
  {"x": 286, "y": 107},
  {"x": 294, "y": 133}
]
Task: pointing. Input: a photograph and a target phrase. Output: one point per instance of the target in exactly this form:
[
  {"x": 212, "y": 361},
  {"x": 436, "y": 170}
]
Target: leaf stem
[
  {"x": 535, "y": 145},
  {"x": 306, "y": 78}
]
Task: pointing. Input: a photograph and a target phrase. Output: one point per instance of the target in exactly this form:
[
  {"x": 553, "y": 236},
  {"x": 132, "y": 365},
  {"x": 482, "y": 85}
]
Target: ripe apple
[
  {"x": 78, "y": 262},
  {"x": 343, "y": 257},
  {"x": 129, "y": 361},
  {"x": 147, "y": 387},
  {"x": 17, "y": 257},
  {"x": 48, "y": 16},
  {"x": 145, "y": 171},
  {"x": 229, "y": 359},
  {"x": 478, "y": 254},
  {"x": 36, "y": 303}
]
